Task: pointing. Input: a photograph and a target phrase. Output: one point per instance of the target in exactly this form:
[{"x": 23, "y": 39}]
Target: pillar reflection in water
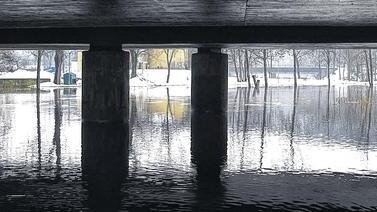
[
  {"x": 209, "y": 153},
  {"x": 104, "y": 162},
  {"x": 208, "y": 144}
]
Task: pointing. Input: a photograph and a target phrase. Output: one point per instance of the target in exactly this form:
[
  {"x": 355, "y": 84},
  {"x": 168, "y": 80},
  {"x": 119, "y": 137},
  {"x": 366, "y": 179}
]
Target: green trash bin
[{"x": 69, "y": 79}]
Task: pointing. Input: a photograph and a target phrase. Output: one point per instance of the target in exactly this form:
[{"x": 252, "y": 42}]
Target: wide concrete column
[
  {"x": 209, "y": 81},
  {"x": 105, "y": 85},
  {"x": 105, "y": 112},
  {"x": 209, "y": 92}
]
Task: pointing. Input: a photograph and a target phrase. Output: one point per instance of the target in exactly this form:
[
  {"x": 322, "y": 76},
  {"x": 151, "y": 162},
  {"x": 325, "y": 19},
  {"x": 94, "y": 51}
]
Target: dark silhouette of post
[
  {"x": 104, "y": 164},
  {"x": 105, "y": 124},
  {"x": 209, "y": 104},
  {"x": 209, "y": 122},
  {"x": 208, "y": 156},
  {"x": 209, "y": 82}
]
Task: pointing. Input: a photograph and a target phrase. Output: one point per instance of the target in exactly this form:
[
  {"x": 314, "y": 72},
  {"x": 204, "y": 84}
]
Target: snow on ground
[
  {"x": 161, "y": 91},
  {"x": 157, "y": 77},
  {"x": 24, "y": 74},
  {"x": 51, "y": 85}
]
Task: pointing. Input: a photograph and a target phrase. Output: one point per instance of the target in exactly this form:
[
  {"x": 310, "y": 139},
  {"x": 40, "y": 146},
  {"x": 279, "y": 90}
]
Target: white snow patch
[
  {"x": 24, "y": 74},
  {"x": 157, "y": 77}
]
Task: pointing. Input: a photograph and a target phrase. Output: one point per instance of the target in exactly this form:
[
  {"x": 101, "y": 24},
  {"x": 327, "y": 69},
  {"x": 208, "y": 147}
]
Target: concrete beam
[{"x": 220, "y": 36}]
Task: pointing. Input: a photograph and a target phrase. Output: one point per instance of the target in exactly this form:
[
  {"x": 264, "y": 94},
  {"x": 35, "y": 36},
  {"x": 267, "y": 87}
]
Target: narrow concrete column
[
  {"x": 105, "y": 85},
  {"x": 209, "y": 81}
]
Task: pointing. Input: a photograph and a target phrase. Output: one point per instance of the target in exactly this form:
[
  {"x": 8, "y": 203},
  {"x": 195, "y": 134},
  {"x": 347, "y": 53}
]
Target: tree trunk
[
  {"x": 39, "y": 58},
  {"x": 371, "y": 68},
  {"x": 247, "y": 67},
  {"x": 59, "y": 58},
  {"x": 265, "y": 67},
  {"x": 357, "y": 72},
  {"x": 298, "y": 68},
  {"x": 242, "y": 77},
  {"x": 169, "y": 58},
  {"x": 134, "y": 61},
  {"x": 348, "y": 64},
  {"x": 168, "y": 77},
  {"x": 328, "y": 67},
  {"x": 233, "y": 52},
  {"x": 367, "y": 65}
]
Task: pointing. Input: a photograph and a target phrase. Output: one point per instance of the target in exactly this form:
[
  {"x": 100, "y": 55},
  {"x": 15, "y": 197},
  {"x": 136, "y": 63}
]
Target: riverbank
[{"x": 157, "y": 77}]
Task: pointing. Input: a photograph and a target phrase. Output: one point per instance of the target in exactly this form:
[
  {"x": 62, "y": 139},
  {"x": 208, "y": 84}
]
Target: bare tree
[
  {"x": 247, "y": 67},
  {"x": 8, "y": 61},
  {"x": 294, "y": 67},
  {"x": 300, "y": 55},
  {"x": 265, "y": 67},
  {"x": 59, "y": 59},
  {"x": 135, "y": 54},
  {"x": 371, "y": 68},
  {"x": 39, "y": 60},
  {"x": 327, "y": 55},
  {"x": 169, "y": 58},
  {"x": 233, "y": 59}
]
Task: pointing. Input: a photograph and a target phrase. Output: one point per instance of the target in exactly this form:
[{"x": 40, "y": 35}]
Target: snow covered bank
[
  {"x": 157, "y": 77},
  {"x": 161, "y": 91},
  {"x": 23, "y": 74}
]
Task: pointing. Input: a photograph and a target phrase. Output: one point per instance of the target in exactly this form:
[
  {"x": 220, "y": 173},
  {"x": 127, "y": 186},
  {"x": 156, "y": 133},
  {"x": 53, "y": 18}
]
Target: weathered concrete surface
[
  {"x": 209, "y": 81},
  {"x": 105, "y": 86},
  {"x": 209, "y": 92},
  {"x": 73, "y": 13}
]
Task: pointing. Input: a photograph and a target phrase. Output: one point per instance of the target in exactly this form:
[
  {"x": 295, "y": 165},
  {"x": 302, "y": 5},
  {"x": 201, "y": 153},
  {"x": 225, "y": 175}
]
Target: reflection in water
[
  {"x": 38, "y": 103},
  {"x": 295, "y": 102},
  {"x": 58, "y": 122},
  {"x": 104, "y": 163},
  {"x": 263, "y": 127},
  {"x": 370, "y": 100},
  {"x": 281, "y": 149},
  {"x": 208, "y": 150}
]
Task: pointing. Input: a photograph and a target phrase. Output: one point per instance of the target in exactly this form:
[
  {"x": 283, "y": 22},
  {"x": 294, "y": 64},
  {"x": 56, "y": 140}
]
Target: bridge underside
[
  {"x": 192, "y": 36},
  {"x": 106, "y": 26},
  {"x": 187, "y": 22}
]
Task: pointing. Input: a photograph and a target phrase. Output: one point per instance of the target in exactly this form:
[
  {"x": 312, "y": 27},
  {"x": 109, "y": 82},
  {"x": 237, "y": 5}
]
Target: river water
[{"x": 310, "y": 149}]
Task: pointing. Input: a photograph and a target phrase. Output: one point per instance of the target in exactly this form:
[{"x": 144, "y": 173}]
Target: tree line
[
  {"x": 12, "y": 60},
  {"x": 353, "y": 64}
]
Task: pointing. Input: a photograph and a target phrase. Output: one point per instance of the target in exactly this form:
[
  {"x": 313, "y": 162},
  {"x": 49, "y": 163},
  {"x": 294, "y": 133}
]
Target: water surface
[{"x": 311, "y": 149}]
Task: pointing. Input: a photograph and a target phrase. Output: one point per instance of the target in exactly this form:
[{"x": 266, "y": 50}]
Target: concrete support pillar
[
  {"x": 105, "y": 85},
  {"x": 209, "y": 91},
  {"x": 209, "y": 81},
  {"x": 105, "y": 120}
]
